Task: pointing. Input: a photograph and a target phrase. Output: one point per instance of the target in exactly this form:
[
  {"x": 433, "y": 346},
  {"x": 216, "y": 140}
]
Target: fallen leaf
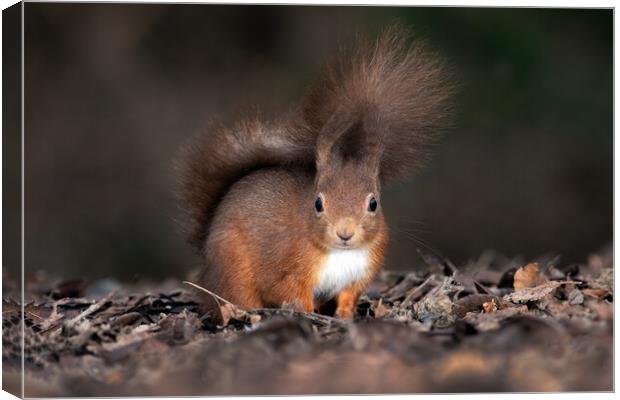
[
  {"x": 125, "y": 319},
  {"x": 229, "y": 311},
  {"x": 490, "y": 321},
  {"x": 399, "y": 290},
  {"x": 471, "y": 303},
  {"x": 54, "y": 317},
  {"x": 381, "y": 310},
  {"x": 534, "y": 293},
  {"x": 437, "y": 306},
  {"x": 605, "y": 281},
  {"x": 596, "y": 293},
  {"x": 552, "y": 305},
  {"x": 575, "y": 297},
  {"x": 529, "y": 276}
]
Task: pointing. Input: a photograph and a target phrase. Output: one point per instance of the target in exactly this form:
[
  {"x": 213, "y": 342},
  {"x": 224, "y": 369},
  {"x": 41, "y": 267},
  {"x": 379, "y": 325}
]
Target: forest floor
[{"x": 492, "y": 325}]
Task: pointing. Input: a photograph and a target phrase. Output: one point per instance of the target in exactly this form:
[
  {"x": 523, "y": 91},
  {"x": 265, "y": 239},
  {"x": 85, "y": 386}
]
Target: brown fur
[{"x": 250, "y": 191}]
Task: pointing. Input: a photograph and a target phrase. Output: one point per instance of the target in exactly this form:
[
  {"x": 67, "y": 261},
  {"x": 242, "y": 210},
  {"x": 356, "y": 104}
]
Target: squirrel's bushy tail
[
  {"x": 213, "y": 161},
  {"x": 391, "y": 96},
  {"x": 393, "y": 91}
]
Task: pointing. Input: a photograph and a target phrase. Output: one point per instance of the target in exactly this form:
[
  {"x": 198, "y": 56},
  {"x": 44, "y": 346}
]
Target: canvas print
[{"x": 205, "y": 199}]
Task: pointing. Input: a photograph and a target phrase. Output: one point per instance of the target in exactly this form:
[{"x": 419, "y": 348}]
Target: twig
[
  {"x": 90, "y": 310},
  {"x": 54, "y": 317},
  {"x": 417, "y": 291},
  {"x": 211, "y": 293},
  {"x": 313, "y": 317},
  {"x": 401, "y": 288}
]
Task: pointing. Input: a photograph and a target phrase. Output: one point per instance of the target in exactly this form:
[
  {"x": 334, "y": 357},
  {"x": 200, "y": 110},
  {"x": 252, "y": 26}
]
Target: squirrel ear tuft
[
  {"x": 347, "y": 140},
  {"x": 327, "y": 141}
]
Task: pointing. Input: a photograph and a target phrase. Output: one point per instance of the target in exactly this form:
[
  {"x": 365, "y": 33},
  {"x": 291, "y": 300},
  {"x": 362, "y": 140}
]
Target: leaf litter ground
[{"x": 495, "y": 324}]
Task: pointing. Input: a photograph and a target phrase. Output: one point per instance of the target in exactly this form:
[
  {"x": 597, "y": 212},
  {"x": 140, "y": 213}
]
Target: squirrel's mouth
[{"x": 344, "y": 246}]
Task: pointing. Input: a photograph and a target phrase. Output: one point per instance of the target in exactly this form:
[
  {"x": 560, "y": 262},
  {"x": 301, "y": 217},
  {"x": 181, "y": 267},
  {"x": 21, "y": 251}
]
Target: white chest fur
[{"x": 340, "y": 269}]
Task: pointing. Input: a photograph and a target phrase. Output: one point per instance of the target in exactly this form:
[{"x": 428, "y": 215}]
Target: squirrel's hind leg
[{"x": 230, "y": 269}]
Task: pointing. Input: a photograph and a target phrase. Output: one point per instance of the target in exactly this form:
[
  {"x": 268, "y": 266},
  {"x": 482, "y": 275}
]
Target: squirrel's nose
[{"x": 346, "y": 235}]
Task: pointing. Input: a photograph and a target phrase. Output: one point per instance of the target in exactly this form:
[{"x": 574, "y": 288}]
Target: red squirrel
[{"x": 291, "y": 211}]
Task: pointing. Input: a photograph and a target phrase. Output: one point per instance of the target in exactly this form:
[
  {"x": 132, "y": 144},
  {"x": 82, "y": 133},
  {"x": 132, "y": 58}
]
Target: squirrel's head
[
  {"x": 347, "y": 208},
  {"x": 347, "y": 205}
]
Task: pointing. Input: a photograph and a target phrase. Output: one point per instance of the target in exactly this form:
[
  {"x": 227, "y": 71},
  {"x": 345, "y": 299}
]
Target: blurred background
[{"x": 112, "y": 91}]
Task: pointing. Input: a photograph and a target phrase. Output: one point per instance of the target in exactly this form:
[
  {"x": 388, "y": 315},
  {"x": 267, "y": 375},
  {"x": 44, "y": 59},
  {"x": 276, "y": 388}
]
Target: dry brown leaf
[
  {"x": 489, "y": 321},
  {"x": 472, "y": 303},
  {"x": 604, "y": 281},
  {"x": 553, "y": 305},
  {"x": 575, "y": 297},
  {"x": 229, "y": 311},
  {"x": 535, "y": 293},
  {"x": 381, "y": 310},
  {"x": 54, "y": 317},
  {"x": 529, "y": 276},
  {"x": 596, "y": 293},
  {"x": 437, "y": 306}
]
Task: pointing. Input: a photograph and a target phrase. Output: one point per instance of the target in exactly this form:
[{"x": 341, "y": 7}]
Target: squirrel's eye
[
  {"x": 318, "y": 204},
  {"x": 372, "y": 204}
]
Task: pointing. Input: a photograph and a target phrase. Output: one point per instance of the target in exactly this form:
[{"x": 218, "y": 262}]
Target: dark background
[{"x": 112, "y": 91}]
